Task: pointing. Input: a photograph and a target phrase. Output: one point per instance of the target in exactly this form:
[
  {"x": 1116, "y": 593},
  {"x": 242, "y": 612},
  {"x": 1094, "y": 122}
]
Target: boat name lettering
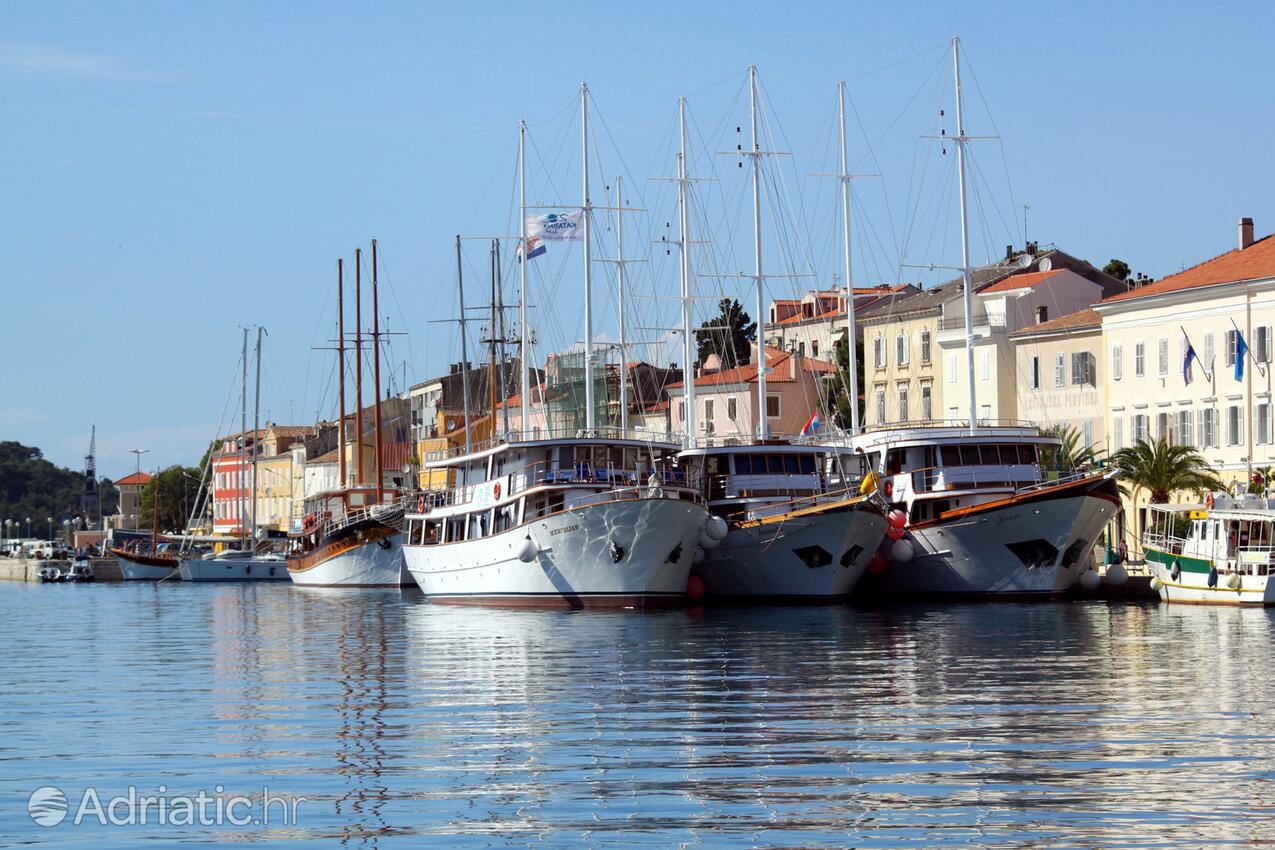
[{"x": 564, "y": 530}]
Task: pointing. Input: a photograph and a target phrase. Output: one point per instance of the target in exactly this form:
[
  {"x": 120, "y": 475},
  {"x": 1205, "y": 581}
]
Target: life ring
[
  {"x": 1208, "y": 501},
  {"x": 496, "y": 490},
  {"x": 888, "y": 487},
  {"x": 420, "y": 503}
]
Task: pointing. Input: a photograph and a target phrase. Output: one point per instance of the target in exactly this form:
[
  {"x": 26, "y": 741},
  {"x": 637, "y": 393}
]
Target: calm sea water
[{"x": 407, "y": 724}]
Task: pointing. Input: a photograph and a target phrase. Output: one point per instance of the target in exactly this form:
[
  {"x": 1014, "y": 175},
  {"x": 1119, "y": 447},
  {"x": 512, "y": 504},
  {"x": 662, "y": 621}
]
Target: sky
[{"x": 173, "y": 173}]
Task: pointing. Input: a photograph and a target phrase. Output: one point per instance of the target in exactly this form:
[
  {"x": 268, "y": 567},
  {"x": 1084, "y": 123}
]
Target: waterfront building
[
  {"x": 727, "y": 398},
  {"x": 130, "y": 502},
  {"x": 1061, "y": 375},
  {"x": 1222, "y": 404},
  {"x": 812, "y": 325}
]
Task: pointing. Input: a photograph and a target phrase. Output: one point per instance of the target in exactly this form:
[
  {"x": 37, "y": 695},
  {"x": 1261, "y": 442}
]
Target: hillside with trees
[{"x": 31, "y": 486}]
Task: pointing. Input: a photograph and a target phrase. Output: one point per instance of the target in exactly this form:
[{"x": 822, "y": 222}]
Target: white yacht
[
  {"x": 1218, "y": 553},
  {"x": 235, "y": 565},
  {"x": 558, "y": 523},
  {"x": 981, "y": 516},
  {"x": 788, "y": 531}
]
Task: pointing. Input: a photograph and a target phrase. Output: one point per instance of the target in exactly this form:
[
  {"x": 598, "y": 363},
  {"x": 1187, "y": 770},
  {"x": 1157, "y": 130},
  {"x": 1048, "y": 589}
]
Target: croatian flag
[
  {"x": 535, "y": 247},
  {"x": 1190, "y": 356},
  {"x": 813, "y": 424}
]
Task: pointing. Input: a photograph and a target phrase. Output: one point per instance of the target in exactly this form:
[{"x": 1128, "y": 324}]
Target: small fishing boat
[{"x": 1221, "y": 552}]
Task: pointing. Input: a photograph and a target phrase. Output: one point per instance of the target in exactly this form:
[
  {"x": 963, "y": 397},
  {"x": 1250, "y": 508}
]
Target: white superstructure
[{"x": 1218, "y": 554}]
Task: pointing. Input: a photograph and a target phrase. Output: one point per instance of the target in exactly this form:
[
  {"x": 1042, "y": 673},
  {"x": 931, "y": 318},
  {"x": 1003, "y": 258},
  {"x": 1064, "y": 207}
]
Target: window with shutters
[
  {"x": 1117, "y": 433},
  {"x": 1207, "y": 354},
  {"x": 1117, "y": 362},
  {"x": 880, "y": 404},
  {"x": 1262, "y": 425},
  {"x": 1186, "y": 428},
  {"x": 951, "y": 368},
  {"x": 1234, "y": 425},
  {"x": 1139, "y": 359},
  {"x": 1208, "y": 428},
  {"x": 985, "y": 365},
  {"x": 1035, "y": 372},
  {"x": 732, "y": 408},
  {"x": 1086, "y": 434},
  {"x": 927, "y": 402},
  {"x": 1262, "y": 344},
  {"x": 1162, "y": 356},
  {"x": 1060, "y": 370},
  {"x": 901, "y": 349},
  {"x": 708, "y": 410},
  {"x": 903, "y": 403},
  {"x": 814, "y": 348},
  {"x": 1082, "y": 369},
  {"x": 1139, "y": 427},
  {"x": 878, "y": 352},
  {"x": 1231, "y": 339},
  {"x": 1164, "y": 427},
  {"x": 925, "y": 345}
]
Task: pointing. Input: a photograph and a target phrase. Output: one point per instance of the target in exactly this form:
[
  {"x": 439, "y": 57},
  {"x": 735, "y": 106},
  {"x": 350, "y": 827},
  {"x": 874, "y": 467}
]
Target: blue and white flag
[
  {"x": 1241, "y": 351},
  {"x": 535, "y": 247},
  {"x": 564, "y": 227},
  {"x": 1190, "y": 356}
]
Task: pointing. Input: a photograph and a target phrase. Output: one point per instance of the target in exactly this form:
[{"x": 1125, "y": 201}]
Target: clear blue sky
[{"x": 174, "y": 171}]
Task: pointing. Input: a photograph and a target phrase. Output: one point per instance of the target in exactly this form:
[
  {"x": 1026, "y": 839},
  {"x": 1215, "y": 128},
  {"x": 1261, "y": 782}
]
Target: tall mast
[
  {"x": 851, "y": 341},
  {"x": 589, "y": 423},
  {"x": 524, "y": 355},
  {"x": 965, "y": 233},
  {"x": 376, "y": 380},
  {"x": 620, "y": 264},
  {"x": 256, "y": 425},
  {"x": 689, "y": 356},
  {"x": 243, "y": 446},
  {"x": 464, "y": 347},
  {"x": 358, "y": 365},
  {"x": 503, "y": 360},
  {"x": 340, "y": 365},
  {"x": 492, "y": 365},
  {"x": 763, "y": 431},
  {"x": 155, "y": 508}
]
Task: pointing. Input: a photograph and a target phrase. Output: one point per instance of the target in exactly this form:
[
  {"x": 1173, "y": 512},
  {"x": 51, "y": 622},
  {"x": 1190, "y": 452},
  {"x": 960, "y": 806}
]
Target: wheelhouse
[{"x": 753, "y": 481}]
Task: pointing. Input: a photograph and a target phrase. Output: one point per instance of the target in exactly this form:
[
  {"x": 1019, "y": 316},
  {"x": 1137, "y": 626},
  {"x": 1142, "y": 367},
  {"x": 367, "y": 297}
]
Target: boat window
[
  {"x": 989, "y": 454},
  {"x": 630, "y": 458},
  {"x": 951, "y": 455},
  {"x": 616, "y": 457},
  {"x": 714, "y": 464},
  {"x": 894, "y": 461},
  {"x": 808, "y": 465},
  {"x": 792, "y": 464}
]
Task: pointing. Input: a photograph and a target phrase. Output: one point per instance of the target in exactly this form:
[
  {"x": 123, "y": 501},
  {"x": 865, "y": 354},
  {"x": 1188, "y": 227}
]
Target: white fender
[
  {"x": 1233, "y": 581},
  {"x": 1090, "y": 580},
  {"x": 714, "y": 532},
  {"x": 528, "y": 551},
  {"x": 1117, "y": 575},
  {"x": 902, "y": 551}
]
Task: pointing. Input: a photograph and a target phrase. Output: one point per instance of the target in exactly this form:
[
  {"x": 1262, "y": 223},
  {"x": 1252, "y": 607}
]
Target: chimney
[{"x": 1246, "y": 233}]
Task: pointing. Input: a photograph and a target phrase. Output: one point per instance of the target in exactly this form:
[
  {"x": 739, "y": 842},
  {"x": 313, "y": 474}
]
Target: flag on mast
[
  {"x": 535, "y": 247},
  {"x": 563, "y": 227},
  {"x": 1187, "y": 359},
  {"x": 813, "y": 424},
  {"x": 1241, "y": 351}
]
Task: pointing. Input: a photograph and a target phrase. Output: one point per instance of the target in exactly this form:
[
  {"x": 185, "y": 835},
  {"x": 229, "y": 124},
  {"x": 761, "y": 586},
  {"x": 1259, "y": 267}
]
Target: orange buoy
[{"x": 695, "y": 588}]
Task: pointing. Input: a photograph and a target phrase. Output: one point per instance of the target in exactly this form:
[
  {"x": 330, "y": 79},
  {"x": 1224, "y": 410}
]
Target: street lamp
[
  {"x": 66, "y": 526},
  {"x": 28, "y": 527},
  {"x": 50, "y": 520},
  {"x": 139, "y": 453}
]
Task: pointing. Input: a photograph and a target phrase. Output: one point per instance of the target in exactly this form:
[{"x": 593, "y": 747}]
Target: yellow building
[{"x": 1060, "y": 381}]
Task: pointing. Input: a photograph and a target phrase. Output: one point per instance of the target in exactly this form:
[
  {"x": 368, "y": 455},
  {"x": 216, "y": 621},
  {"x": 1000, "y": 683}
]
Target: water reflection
[{"x": 909, "y": 726}]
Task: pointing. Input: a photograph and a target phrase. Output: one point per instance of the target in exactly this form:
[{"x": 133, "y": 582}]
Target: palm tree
[
  {"x": 1073, "y": 454},
  {"x": 1163, "y": 469}
]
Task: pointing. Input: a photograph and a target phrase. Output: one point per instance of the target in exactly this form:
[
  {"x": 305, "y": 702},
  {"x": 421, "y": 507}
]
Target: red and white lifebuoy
[
  {"x": 888, "y": 487},
  {"x": 496, "y": 490},
  {"x": 420, "y": 503},
  {"x": 1208, "y": 501}
]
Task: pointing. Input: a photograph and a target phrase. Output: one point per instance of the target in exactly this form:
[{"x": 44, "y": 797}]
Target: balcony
[{"x": 981, "y": 320}]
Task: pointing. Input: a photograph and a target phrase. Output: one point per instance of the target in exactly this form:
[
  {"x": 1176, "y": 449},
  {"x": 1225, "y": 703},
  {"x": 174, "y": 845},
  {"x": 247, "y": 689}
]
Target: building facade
[{"x": 1062, "y": 376}]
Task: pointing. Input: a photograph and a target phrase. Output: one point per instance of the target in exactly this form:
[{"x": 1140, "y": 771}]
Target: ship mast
[
  {"x": 340, "y": 366},
  {"x": 358, "y": 366},
  {"x": 243, "y": 446},
  {"x": 620, "y": 282},
  {"x": 524, "y": 378},
  {"x": 492, "y": 366},
  {"x": 256, "y": 425},
  {"x": 586, "y": 207},
  {"x": 689, "y": 356},
  {"x": 851, "y": 341},
  {"x": 763, "y": 430},
  {"x": 376, "y": 380},
  {"x": 968, "y": 286},
  {"x": 464, "y": 347}
]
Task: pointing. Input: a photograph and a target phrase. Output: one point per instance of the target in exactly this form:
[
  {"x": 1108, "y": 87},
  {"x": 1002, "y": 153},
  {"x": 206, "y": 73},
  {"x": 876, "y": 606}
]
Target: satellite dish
[
  {"x": 1025, "y": 260},
  {"x": 1045, "y": 264}
]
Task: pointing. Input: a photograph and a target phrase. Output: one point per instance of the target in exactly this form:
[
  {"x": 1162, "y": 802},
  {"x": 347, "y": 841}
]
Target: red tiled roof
[
  {"x": 1020, "y": 281},
  {"x": 1255, "y": 261},
  {"x": 780, "y": 363},
  {"x": 1072, "y": 321},
  {"x": 138, "y": 478}
]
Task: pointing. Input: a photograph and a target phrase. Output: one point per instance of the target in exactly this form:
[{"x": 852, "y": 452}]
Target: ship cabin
[
  {"x": 748, "y": 482},
  {"x": 930, "y": 470},
  {"x": 1234, "y": 535},
  {"x": 511, "y": 484},
  {"x": 330, "y": 510}
]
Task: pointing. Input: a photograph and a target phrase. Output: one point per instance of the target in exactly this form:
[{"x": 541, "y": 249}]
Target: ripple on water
[{"x": 999, "y": 725}]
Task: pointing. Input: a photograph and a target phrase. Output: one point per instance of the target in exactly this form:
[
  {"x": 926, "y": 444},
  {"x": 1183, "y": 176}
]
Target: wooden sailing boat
[
  {"x": 351, "y": 536},
  {"x": 151, "y": 565}
]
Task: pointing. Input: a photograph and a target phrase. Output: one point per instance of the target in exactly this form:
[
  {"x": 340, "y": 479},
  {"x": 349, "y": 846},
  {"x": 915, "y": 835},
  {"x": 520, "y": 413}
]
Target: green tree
[
  {"x": 1073, "y": 454},
  {"x": 1118, "y": 269},
  {"x": 836, "y": 388},
  {"x": 178, "y": 487},
  {"x": 1163, "y": 469},
  {"x": 31, "y": 486},
  {"x": 729, "y": 335}
]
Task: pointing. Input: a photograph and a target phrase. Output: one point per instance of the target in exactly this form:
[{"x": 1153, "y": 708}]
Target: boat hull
[
  {"x": 576, "y": 563},
  {"x": 131, "y": 570},
  {"x": 371, "y": 558},
  {"x": 234, "y": 569},
  {"x": 813, "y": 557},
  {"x": 1036, "y": 545},
  {"x": 1191, "y": 585}
]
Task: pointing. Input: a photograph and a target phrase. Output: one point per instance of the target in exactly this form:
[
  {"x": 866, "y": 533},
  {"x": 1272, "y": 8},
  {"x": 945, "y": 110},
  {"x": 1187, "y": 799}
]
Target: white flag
[{"x": 565, "y": 227}]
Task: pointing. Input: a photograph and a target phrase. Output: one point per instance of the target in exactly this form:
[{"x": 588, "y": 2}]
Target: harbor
[{"x": 434, "y": 427}]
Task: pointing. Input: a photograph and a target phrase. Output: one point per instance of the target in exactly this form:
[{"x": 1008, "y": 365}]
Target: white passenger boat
[
  {"x": 982, "y": 519},
  {"x": 558, "y": 523},
  {"x": 1214, "y": 554},
  {"x": 787, "y": 532}
]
